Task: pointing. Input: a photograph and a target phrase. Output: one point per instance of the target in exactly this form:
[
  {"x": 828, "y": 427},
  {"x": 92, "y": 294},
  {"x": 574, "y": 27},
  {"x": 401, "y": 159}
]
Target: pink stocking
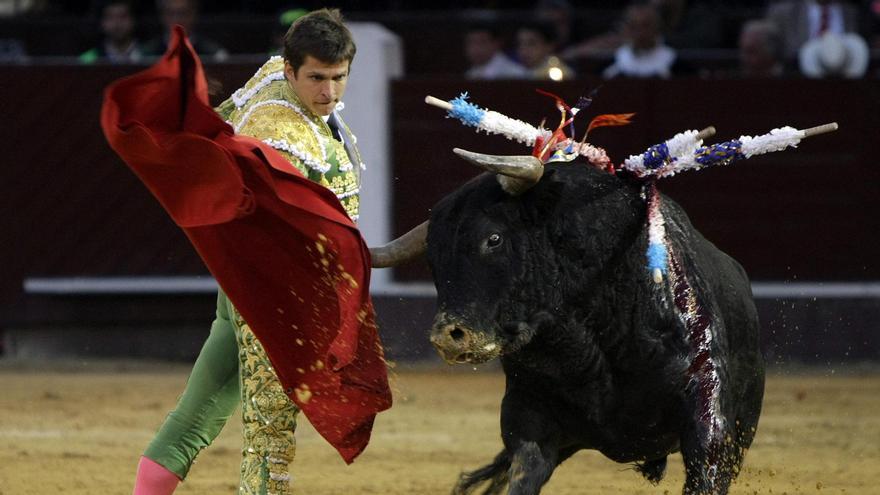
[{"x": 153, "y": 479}]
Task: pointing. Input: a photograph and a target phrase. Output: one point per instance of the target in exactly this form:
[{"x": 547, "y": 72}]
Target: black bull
[{"x": 596, "y": 354}]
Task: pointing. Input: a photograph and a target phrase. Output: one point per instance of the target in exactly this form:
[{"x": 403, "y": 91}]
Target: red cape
[{"x": 281, "y": 247}]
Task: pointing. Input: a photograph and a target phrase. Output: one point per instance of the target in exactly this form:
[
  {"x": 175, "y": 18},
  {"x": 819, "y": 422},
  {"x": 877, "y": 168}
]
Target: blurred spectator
[
  {"x": 873, "y": 28},
  {"x": 760, "y": 50},
  {"x": 643, "y": 54},
  {"x": 802, "y": 20},
  {"x": 597, "y": 46},
  {"x": 834, "y": 55},
  {"x": 561, "y": 15},
  {"x": 284, "y": 19},
  {"x": 483, "y": 50},
  {"x": 12, "y": 51},
  {"x": 185, "y": 13},
  {"x": 118, "y": 43},
  {"x": 695, "y": 24},
  {"x": 536, "y": 49},
  {"x": 9, "y": 8}
]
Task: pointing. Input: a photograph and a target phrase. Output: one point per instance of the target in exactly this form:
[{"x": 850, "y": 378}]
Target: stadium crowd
[{"x": 555, "y": 39}]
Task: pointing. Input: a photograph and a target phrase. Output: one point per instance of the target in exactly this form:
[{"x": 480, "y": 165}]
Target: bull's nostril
[{"x": 456, "y": 334}]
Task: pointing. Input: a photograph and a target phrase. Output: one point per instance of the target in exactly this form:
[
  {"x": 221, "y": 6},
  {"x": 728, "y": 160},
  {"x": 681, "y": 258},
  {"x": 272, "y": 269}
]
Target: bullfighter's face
[{"x": 318, "y": 85}]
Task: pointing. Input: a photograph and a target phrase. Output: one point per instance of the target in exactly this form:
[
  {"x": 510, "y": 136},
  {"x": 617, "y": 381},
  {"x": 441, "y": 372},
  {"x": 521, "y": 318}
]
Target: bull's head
[
  {"x": 511, "y": 251},
  {"x": 471, "y": 271},
  {"x": 509, "y": 257}
]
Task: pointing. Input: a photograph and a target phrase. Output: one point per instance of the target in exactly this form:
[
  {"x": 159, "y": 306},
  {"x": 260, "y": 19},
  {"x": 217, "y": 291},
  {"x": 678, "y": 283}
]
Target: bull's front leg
[
  {"x": 531, "y": 438},
  {"x": 531, "y": 466}
]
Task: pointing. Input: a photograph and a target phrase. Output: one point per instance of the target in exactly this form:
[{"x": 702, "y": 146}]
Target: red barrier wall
[{"x": 71, "y": 208}]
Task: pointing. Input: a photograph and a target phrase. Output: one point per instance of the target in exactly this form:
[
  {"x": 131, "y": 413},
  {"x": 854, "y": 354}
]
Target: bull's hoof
[
  {"x": 469, "y": 482},
  {"x": 653, "y": 471}
]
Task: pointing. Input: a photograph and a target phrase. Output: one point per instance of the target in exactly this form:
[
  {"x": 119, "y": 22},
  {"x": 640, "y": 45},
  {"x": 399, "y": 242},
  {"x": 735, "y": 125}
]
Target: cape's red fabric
[{"x": 280, "y": 246}]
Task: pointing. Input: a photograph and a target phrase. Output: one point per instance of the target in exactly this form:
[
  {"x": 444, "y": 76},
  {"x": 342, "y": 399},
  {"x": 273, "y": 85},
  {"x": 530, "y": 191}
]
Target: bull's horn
[
  {"x": 403, "y": 249},
  {"x": 516, "y": 174}
]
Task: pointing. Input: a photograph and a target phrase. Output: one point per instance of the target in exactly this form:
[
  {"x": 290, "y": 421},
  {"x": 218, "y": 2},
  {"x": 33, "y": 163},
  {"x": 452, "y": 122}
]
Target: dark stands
[{"x": 432, "y": 40}]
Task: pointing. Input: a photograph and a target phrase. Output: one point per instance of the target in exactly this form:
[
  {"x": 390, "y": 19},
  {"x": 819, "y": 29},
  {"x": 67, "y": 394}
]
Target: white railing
[{"x": 204, "y": 284}]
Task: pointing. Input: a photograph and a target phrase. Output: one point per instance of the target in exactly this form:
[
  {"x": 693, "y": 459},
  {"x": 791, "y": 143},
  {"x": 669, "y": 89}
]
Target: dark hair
[
  {"x": 484, "y": 26},
  {"x": 160, "y": 4},
  {"x": 544, "y": 29},
  {"x": 320, "y": 34},
  {"x": 772, "y": 36},
  {"x": 99, "y": 6}
]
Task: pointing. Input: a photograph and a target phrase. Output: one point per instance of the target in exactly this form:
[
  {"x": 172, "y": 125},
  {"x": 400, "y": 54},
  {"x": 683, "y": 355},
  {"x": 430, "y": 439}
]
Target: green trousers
[{"x": 232, "y": 368}]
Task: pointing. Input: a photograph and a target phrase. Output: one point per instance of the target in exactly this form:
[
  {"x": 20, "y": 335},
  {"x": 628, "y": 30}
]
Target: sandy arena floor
[{"x": 79, "y": 429}]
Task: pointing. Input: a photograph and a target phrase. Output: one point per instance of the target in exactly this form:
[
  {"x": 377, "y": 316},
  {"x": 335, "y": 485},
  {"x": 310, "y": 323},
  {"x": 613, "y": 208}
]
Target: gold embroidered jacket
[{"x": 267, "y": 108}]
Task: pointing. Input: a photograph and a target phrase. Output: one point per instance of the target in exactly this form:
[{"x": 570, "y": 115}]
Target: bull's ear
[{"x": 544, "y": 199}]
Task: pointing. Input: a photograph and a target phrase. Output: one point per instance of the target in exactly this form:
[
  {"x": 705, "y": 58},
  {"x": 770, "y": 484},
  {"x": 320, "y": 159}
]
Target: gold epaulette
[{"x": 271, "y": 71}]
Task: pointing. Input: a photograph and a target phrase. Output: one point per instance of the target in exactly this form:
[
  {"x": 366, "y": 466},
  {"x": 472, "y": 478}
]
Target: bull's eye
[{"x": 493, "y": 241}]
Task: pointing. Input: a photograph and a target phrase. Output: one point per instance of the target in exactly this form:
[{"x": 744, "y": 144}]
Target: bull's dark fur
[{"x": 593, "y": 350}]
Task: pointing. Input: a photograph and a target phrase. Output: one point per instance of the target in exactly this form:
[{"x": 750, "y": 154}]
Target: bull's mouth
[{"x": 487, "y": 353}]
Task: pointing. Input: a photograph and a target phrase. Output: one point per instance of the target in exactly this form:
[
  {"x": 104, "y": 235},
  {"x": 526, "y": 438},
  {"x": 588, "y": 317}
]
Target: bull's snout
[{"x": 458, "y": 343}]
